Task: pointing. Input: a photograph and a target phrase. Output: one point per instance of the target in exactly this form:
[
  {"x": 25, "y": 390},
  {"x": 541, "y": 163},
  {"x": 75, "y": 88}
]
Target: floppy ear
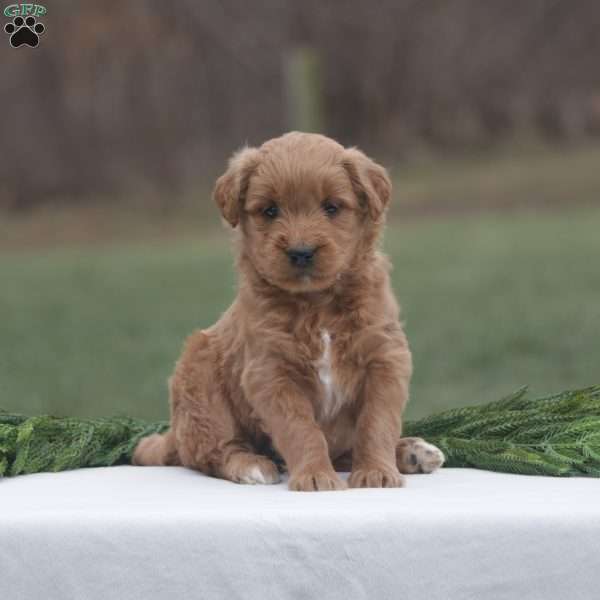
[
  {"x": 370, "y": 181},
  {"x": 231, "y": 187}
]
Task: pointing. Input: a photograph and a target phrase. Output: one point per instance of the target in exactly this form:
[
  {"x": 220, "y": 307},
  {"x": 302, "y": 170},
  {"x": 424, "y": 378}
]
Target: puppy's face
[{"x": 305, "y": 206}]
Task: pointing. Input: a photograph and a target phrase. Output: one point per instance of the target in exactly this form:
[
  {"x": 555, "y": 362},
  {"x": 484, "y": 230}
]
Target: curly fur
[{"x": 308, "y": 365}]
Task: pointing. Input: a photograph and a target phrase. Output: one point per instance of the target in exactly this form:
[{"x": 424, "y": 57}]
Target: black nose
[{"x": 302, "y": 256}]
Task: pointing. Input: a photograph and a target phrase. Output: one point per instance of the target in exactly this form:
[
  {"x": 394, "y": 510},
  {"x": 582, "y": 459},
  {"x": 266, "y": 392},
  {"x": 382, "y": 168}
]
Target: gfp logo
[{"x": 25, "y": 28}]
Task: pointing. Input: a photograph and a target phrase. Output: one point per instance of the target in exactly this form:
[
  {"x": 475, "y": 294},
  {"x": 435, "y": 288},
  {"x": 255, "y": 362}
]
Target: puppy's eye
[
  {"x": 271, "y": 212},
  {"x": 330, "y": 209}
]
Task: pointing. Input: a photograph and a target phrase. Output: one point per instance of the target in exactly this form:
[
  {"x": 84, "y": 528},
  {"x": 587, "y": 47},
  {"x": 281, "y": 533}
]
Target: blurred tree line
[{"x": 153, "y": 95}]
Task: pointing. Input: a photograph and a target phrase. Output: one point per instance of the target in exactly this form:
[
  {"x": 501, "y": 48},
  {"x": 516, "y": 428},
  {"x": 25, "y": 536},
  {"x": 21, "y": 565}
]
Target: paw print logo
[{"x": 24, "y": 32}]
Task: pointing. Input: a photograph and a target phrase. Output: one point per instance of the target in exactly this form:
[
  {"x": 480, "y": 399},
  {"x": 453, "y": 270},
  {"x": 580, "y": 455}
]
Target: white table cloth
[{"x": 153, "y": 533}]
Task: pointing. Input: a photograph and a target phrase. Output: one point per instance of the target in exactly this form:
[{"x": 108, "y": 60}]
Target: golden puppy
[{"x": 310, "y": 363}]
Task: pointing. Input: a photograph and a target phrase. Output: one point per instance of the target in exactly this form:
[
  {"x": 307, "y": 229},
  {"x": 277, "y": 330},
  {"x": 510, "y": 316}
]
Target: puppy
[{"x": 309, "y": 366}]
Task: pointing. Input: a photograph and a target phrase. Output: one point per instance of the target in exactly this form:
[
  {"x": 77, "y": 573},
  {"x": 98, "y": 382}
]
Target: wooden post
[{"x": 303, "y": 92}]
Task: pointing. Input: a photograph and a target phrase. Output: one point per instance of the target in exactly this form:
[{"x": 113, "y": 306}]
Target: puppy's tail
[{"x": 156, "y": 450}]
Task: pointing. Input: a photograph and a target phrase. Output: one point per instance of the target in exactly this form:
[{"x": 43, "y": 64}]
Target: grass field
[{"x": 490, "y": 302}]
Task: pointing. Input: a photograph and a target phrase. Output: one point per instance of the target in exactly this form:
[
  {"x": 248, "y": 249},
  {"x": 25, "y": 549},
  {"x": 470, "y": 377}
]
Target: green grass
[{"x": 490, "y": 303}]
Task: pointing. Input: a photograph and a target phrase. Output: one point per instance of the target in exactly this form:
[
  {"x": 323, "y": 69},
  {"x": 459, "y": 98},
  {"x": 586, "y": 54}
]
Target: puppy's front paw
[
  {"x": 375, "y": 477},
  {"x": 415, "y": 455},
  {"x": 316, "y": 481}
]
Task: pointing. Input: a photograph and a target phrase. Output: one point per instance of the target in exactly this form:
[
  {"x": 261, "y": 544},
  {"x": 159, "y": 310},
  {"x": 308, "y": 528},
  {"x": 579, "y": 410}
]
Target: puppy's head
[{"x": 306, "y": 207}]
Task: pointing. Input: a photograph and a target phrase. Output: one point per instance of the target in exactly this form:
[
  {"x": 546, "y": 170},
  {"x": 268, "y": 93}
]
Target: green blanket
[{"x": 556, "y": 435}]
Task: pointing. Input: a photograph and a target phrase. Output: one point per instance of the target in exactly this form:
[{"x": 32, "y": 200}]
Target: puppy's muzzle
[{"x": 301, "y": 257}]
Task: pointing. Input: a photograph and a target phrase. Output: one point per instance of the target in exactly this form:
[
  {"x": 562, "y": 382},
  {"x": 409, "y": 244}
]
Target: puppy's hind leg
[
  {"x": 415, "y": 455},
  {"x": 245, "y": 466},
  {"x": 208, "y": 437},
  {"x": 211, "y": 446}
]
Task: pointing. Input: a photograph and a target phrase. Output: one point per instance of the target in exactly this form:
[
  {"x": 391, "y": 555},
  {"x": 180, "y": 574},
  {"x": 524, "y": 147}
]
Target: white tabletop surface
[{"x": 152, "y": 532}]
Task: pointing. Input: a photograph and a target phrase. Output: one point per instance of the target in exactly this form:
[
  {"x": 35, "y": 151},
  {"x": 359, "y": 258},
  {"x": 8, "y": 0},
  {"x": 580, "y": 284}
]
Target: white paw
[
  {"x": 417, "y": 456},
  {"x": 426, "y": 457},
  {"x": 255, "y": 474}
]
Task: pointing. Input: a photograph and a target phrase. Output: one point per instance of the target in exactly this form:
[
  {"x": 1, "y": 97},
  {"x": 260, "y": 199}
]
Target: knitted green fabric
[{"x": 557, "y": 435}]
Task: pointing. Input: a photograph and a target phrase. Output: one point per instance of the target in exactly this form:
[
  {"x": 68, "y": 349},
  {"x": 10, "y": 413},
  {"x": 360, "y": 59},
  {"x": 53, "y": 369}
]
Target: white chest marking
[{"x": 332, "y": 399}]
